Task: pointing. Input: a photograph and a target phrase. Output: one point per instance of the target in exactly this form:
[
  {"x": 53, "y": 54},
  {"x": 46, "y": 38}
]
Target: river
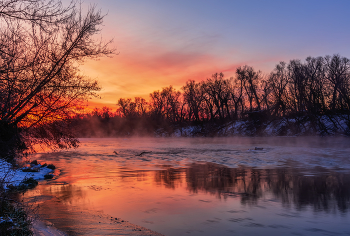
[{"x": 201, "y": 186}]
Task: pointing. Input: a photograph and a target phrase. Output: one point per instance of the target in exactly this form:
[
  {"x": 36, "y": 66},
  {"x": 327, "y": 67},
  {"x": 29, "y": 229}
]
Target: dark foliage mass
[
  {"x": 310, "y": 97},
  {"x": 14, "y": 219}
]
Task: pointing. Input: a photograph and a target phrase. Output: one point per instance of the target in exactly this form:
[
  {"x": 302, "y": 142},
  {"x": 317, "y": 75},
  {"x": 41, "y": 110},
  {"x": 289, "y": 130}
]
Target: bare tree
[
  {"x": 338, "y": 76},
  {"x": 316, "y": 89},
  {"x": 141, "y": 105},
  {"x": 278, "y": 81},
  {"x": 166, "y": 103},
  {"x": 193, "y": 97},
  {"x": 237, "y": 97},
  {"x": 126, "y": 107},
  {"x": 130, "y": 108},
  {"x": 214, "y": 93},
  {"x": 40, "y": 81},
  {"x": 250, "y": 81}
]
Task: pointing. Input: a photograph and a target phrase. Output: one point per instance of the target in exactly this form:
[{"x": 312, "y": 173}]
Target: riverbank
[
  {"x": 255, "y": 124},
  {"x": 285, "y": 126},
  {"x": 14, "y": 217},
  {"x": 13, "y": 177},
  {"x": 90, "y": 223},
  {"x": 82, "y": 222}
]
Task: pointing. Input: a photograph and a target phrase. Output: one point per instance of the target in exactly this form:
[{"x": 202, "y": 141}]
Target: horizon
[{"x": 167, "y": 43}]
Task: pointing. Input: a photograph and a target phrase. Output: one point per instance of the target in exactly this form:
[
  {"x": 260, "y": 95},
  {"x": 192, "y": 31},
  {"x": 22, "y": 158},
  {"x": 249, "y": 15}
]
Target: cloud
[
  {"x": 149, "y": 63},
  {"x": 138, "y": 74}
]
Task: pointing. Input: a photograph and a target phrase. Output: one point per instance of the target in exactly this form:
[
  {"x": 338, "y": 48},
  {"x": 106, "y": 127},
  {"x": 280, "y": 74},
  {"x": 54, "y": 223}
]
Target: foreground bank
[
  {"x": 23, "y": 217},
  {"x": 14, "y": 220}
]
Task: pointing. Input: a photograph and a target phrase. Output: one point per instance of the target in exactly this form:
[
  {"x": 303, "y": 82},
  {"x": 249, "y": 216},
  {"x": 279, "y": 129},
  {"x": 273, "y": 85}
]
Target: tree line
[{"x": 302, "y": 90}]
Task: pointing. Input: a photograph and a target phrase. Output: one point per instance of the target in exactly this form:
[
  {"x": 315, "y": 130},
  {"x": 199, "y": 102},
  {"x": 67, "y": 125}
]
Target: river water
[{"x": 202, "y": 186}]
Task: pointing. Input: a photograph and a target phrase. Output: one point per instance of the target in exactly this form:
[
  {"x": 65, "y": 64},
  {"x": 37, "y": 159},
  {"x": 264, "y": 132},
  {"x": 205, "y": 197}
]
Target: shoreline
[
  {"x": 42, "y": 226},
  {"x": 86, "y": 222}
]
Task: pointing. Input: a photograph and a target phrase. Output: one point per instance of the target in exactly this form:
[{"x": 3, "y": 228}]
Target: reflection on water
[
  {"x": 197, "y": 198},
  {"x": 326, "y": 191}
]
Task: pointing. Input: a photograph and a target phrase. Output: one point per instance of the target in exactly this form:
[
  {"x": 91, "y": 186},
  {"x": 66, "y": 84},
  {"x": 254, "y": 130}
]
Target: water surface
[{"x": 202, "y": 186}]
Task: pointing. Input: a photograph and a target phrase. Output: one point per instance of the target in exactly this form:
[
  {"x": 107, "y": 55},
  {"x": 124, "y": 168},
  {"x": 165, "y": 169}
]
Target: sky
[{"x": 162, "y": 43}]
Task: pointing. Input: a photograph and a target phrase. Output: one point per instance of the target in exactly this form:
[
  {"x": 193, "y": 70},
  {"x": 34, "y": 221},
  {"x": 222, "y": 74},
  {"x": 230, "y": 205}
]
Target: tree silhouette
[
  {"x": 40, "y": 83},
  {"x": 309, "y": 97}
]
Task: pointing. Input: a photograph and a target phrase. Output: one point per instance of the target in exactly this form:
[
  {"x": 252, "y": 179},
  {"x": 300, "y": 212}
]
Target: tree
[
  {"x": 278, "y": 81},
  {"x": 193, "y": 97},
  {"x": 172, "y": 105},
  {"x": 217, "y": 91},
  {"x": 250, "y": 81},
  {"x": 141, "y": 105},
  {"x": 166, "y": 104},
  {"x": 131, "y": 109},
  {"x": 41, "y": 46},
  {"x": 338, "y": 77},
  {"x": 43, "y": 13},
  {"x": 237, "y": 96}
]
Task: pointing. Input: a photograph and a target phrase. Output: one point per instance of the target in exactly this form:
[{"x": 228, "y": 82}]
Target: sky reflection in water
[{"x": 181, "y": 186}]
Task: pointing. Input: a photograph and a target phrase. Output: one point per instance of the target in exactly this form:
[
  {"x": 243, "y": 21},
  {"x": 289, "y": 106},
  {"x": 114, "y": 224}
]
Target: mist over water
[
  {"x": 205, "y": 186},
  {"x": 263, "y": 152}
]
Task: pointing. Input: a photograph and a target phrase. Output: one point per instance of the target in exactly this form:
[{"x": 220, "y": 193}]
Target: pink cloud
[{"x": 136, "y": 72}]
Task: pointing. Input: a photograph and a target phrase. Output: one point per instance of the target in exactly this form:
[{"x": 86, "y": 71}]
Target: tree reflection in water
[
  {"x": 170, "y": 178},
  {"x": 164, "y": 196},
  {"x": 323, "y": 190}
]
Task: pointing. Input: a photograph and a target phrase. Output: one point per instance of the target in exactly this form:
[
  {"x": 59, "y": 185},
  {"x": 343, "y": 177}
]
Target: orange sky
[
  {"x": 132, "y": 74},
  {"x": 162, "y": 43}
]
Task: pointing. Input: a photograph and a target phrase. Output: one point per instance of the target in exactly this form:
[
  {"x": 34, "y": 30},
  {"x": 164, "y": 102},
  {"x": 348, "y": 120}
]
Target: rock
[
  {"x": 27, "y": 184},
  {"x": 48, "y": 176},
  {"x": 35, "y": 162},
  {"x": 51, "y": 166},
  {"x": 30, "y": 169}
]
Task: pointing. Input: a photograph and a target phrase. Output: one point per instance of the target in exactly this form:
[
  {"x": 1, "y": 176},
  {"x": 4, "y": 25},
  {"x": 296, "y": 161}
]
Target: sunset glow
[
  {"x": 167, "y": 43},
  {"x": 160, "y": 117}
]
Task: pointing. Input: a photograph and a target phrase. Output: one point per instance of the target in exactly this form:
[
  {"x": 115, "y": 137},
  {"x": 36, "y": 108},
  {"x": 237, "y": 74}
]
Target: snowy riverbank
[
  {"x": 10, "y": 176},
  {"x": 297, "y": 126},
  {"x": 98, "y": 225},
  {"x": 14, "y": 220}
]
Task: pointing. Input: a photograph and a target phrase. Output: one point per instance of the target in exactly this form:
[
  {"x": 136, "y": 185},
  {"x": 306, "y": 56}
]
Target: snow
[
  {"x": 11, "y": 176},
  {"x": 5, "y": 220},
  {"x": 325, "y": 125}
]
